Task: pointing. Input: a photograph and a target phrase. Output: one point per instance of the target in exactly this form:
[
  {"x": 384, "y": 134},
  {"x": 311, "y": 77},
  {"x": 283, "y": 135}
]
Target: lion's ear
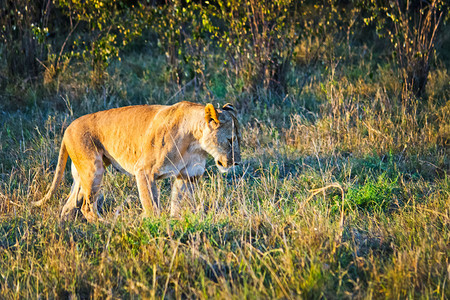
[
  {"x": 229, "y": 107},
  {"x": 211, "y": 114}
]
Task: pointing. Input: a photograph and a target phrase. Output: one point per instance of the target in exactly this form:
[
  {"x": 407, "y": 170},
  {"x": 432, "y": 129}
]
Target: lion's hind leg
[
  {"x": 75, "y": 199},
  {"x": 91, "y": 183},
  {"x": 90, "y": 171}
]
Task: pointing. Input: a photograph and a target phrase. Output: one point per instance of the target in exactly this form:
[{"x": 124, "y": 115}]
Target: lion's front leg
[
  {"x": 182, "y": 189},
  {"x": 148, "y": 192}
]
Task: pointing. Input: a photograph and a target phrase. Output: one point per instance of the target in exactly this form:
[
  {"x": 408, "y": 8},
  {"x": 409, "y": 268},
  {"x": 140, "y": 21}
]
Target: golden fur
[{"x": 150, "y": 142}]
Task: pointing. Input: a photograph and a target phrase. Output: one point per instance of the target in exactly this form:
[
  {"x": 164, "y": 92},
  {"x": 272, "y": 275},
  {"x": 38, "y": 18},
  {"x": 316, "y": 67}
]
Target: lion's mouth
[
  {"x": 221, "y": 166},
  {"x": 225, "y": 167}
]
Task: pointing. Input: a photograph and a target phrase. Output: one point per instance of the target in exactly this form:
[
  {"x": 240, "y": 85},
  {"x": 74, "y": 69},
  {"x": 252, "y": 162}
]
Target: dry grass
[{"x": 348, "y": 201}]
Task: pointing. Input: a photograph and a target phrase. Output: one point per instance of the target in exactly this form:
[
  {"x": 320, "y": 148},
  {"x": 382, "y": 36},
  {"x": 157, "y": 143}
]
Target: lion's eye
[{"x": 232, "y": 140}]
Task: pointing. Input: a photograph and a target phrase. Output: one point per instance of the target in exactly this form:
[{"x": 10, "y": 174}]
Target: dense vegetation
[{"x": 344, "y": 191}]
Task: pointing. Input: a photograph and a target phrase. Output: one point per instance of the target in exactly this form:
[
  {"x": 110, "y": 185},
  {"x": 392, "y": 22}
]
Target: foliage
[
  {"x": 18, "y": 19},
  {"x": 182, "y": 30},
  {"x": 259, "y": 38},
  {"x": 340, "y": 193},
  {"x": 257, "y": 44},
  {"x": 110, "y": 25},
  {"x": 412, "y": 28}
]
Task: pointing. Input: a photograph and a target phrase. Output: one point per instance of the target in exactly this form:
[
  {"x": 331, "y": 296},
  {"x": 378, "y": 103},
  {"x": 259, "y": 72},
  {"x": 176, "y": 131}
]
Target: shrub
[{"x": 412, "y": 28}]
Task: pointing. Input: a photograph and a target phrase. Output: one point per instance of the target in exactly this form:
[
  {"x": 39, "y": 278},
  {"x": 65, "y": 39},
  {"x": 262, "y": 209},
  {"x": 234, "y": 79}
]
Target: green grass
[{"x": 336, "y": 198}]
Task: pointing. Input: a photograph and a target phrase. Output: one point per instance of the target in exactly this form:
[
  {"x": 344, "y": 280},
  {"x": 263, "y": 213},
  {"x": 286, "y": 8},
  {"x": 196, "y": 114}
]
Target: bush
[{"x": 412, "y": 28}]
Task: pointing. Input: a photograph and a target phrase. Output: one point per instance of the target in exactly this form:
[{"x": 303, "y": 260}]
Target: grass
[{"x": 340, "y": 195}]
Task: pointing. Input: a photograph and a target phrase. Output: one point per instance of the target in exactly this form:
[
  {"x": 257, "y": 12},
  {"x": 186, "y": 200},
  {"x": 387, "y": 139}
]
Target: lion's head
[{"x": 221, "y": 136}]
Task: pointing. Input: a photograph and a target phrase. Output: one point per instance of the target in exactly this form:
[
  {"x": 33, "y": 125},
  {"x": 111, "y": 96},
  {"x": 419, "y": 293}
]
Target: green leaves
[
  {"x": 183, "y": 31},
  {"x": 107, "y": 26}
]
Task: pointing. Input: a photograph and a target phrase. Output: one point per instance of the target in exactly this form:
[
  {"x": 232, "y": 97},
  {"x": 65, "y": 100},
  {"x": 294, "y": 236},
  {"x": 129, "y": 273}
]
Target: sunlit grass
[{"x": 348, "y": 201}]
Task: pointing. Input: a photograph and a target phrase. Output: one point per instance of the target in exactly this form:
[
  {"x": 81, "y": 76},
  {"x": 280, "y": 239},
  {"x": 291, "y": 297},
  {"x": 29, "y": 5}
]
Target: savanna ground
[{"x": 342, "y": 193}]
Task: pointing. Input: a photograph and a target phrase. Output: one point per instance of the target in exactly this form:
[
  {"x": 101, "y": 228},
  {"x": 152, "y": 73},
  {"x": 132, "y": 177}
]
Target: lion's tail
[{"x": 62, "y": 160}]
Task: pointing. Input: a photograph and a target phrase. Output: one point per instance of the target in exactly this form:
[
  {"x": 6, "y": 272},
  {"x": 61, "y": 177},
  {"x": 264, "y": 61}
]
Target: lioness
[{"x": 150, "y": 142}]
